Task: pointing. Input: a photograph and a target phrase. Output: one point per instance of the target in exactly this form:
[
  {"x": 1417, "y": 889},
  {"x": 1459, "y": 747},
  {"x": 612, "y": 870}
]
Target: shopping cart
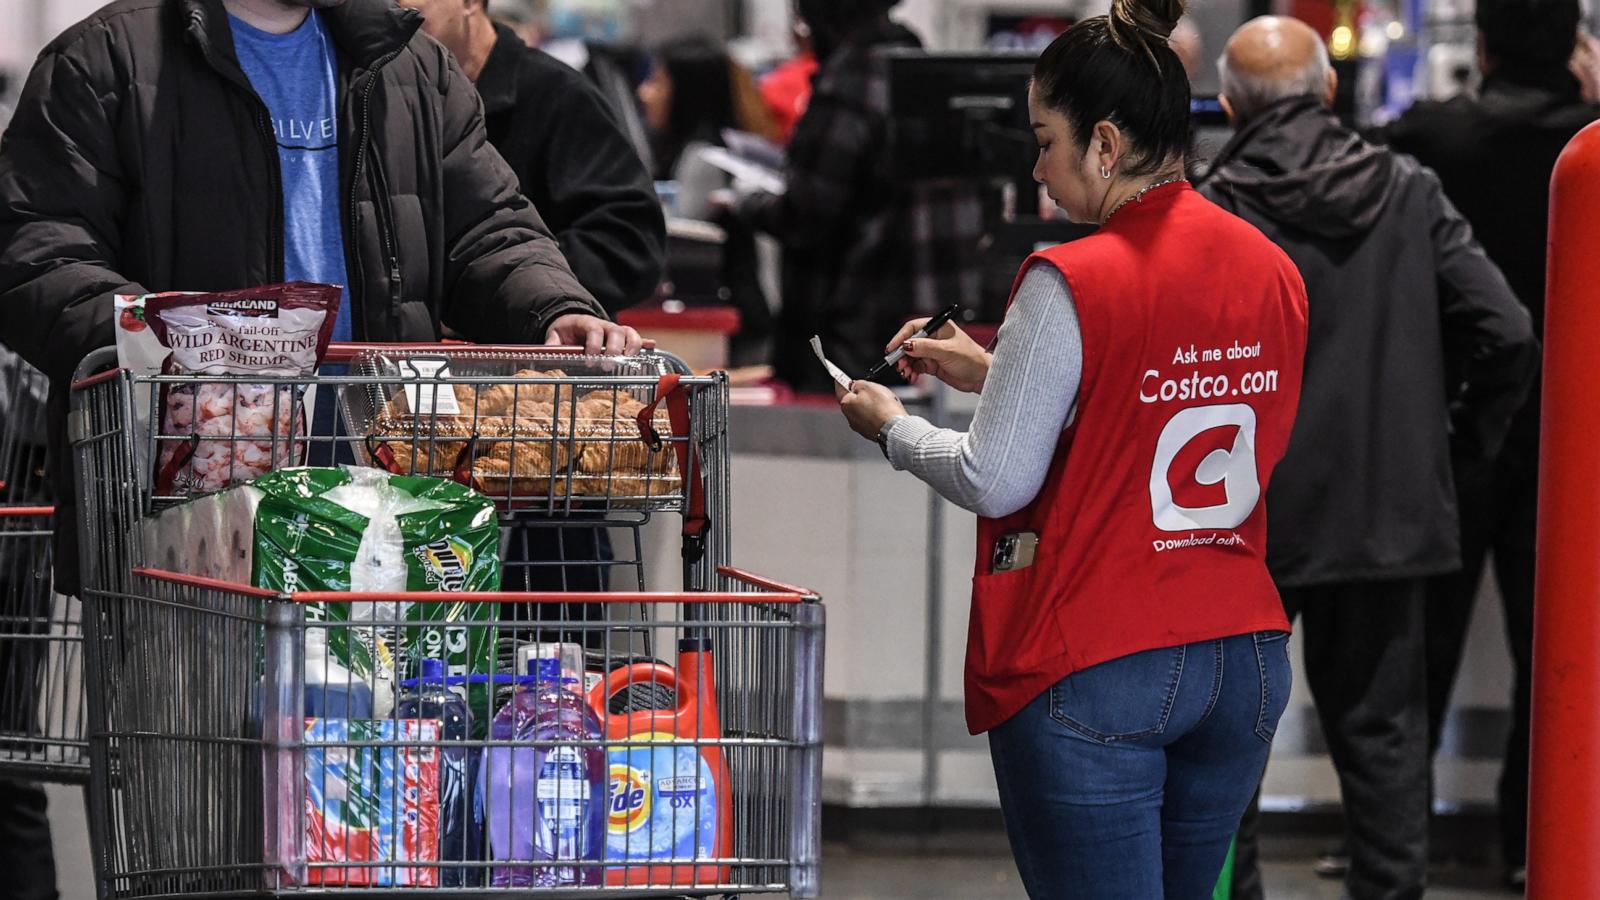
[
  {"x": 615, "y": 742},
  {"x": 42, "y": 734}
]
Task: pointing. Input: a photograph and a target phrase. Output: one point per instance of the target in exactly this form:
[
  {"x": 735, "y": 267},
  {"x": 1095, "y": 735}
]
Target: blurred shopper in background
[
  {"x": 613, "y": 68},
  {"x": 567, "y": 149},
  {"x": 695, "y": 93},
  {"x": 1362, "y": 511},
  {"x": 861, "y": 251},
  {"x": 1128, "y": 652},
  {"x": 1187, "y": 42},
  {"x": 1494, "y": 152},
  {"x": 787, "y": 88}
]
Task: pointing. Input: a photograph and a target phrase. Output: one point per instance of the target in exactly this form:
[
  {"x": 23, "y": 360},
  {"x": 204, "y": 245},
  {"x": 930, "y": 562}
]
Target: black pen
[{"x": 934, "y": 324}]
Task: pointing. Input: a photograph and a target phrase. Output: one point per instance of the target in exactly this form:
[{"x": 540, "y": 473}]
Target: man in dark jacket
[
  {"x": 1362, "y": 510},
  {"x": 157, "y": 147},
  {"x": 567, "y": 149},
  {"x": 1494, "y": 152},
  {"x": 574, "y": 162},
  {"x": 861, "y": 254}
]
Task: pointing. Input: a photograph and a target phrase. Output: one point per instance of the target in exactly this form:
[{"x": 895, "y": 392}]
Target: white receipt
[{"x": 838, "y": 374}]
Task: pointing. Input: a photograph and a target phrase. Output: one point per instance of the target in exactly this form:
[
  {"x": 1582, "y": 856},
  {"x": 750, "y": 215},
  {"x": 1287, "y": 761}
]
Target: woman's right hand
[{"x": 949, "y": 355}]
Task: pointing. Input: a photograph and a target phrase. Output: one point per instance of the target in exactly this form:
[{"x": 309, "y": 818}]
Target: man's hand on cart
[
  {"x": 596, "y": 336},
  {"x": 949, "y": 355},
  {"x": 868, "y": 407}
]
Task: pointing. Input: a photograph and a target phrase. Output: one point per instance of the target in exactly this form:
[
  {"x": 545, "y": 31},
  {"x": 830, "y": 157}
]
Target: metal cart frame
[
  {"x": 42, "y": 715},
  {"x": 198, "y": 701}
]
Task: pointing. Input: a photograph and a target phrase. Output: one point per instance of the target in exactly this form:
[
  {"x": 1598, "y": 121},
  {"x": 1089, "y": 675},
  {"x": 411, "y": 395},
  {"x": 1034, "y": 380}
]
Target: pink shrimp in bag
[{"x": 217, "y": 434}]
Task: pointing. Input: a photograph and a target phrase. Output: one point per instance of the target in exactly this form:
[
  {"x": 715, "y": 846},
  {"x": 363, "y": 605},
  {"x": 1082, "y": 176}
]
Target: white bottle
[{"x": 333, "y": 691}]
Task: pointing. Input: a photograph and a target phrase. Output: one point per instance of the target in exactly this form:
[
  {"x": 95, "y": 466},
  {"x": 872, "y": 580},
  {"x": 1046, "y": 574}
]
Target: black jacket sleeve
[
  {"x": 1486, "y": 329},
  {"x": 595, "y": 189},
  {"x": 62, "y": 196},
  {"x": 505, "y": 277}
]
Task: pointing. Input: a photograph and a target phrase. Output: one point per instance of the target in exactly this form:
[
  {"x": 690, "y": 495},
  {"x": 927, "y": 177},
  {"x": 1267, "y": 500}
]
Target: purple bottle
[{"x": 546, "y": 805}]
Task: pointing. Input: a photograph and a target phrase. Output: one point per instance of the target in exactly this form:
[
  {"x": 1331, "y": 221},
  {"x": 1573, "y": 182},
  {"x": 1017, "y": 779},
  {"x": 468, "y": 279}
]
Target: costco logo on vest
[{"x": 1200, "y": 480}]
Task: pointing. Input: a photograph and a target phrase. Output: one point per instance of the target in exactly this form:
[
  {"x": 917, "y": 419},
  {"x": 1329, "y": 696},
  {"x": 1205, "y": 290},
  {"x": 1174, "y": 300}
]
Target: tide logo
[
  {"x": 630, "y": 800},
  {"x": 1217, "y": 477}
]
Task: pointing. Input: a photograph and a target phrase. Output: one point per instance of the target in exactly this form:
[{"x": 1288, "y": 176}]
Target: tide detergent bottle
[{"x": 670, "y": 796}]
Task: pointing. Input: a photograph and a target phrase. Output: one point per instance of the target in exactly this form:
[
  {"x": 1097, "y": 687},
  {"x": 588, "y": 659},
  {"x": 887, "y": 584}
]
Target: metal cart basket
[
  {"x": 41, "y": 693},
  {"x": 582, "y": 736}
]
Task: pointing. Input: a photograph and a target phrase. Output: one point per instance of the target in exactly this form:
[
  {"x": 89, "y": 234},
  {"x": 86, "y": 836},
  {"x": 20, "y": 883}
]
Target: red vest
[{"x": 1152, "y": 528}]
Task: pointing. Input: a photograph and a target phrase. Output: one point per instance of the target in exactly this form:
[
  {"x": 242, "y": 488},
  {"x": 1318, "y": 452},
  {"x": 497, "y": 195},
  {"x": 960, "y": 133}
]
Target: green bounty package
[{"x": 354, "y": 530}]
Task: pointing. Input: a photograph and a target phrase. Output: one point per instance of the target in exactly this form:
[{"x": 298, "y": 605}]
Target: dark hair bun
[
  {"x": 1142, "y": 24},
  {"x": 1120, "y": 68}
]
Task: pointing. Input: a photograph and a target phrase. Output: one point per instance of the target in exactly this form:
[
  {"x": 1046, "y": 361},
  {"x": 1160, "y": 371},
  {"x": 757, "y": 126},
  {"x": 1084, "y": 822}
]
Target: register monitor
[{"x": 959, "y": 115}]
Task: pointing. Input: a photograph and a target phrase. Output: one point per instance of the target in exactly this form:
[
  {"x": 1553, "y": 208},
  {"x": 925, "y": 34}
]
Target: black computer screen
[{"x": 959, "y": 116}]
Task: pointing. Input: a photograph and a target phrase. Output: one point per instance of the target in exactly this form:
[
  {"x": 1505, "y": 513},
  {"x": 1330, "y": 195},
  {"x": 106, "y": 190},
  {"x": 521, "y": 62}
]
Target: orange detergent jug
[{"x": 670, "y": 797}]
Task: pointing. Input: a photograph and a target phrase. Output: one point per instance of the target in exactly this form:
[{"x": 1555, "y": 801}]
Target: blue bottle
[
  {"x": 460, "y": 816},
  {"x": 546, "y": 805}
]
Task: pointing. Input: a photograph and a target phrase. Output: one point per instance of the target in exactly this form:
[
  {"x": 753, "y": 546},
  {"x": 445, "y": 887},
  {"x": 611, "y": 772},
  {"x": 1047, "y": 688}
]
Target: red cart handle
[{"x": 345, "y": 352}]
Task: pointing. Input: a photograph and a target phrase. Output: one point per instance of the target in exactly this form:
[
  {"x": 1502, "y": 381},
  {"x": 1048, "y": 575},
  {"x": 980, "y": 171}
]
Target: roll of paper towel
[{"x": 211, "y": 537}]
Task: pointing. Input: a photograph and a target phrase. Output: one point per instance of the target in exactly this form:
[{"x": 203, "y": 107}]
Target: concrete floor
[{"x": 850, "y": 874}]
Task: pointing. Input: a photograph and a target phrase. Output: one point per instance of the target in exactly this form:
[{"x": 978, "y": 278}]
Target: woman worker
[{"x": 1127, "y": 651}]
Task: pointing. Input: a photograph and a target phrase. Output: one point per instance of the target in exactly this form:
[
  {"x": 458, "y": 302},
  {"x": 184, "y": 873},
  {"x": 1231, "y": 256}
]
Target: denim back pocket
[
  {"x": 1124, "y": 699},
  {"x": 1272, "y": 658}
]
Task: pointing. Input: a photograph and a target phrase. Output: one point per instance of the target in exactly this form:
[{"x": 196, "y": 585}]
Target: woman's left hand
[{"x": 868, "y": 407}]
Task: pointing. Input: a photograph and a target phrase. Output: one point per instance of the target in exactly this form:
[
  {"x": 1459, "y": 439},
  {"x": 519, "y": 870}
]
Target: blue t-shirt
[{"x": 296, "y": 76}]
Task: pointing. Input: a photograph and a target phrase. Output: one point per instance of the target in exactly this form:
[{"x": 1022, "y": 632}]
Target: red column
[{"x": 1564, "y": 823}]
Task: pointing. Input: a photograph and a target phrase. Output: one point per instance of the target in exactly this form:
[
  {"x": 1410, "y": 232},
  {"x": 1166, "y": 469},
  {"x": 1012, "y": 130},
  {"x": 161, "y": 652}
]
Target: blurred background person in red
[{"x": 787, "y": 88}]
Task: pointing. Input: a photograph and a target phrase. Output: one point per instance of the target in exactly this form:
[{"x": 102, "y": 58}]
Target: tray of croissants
[{"x": 518, "y": 426}]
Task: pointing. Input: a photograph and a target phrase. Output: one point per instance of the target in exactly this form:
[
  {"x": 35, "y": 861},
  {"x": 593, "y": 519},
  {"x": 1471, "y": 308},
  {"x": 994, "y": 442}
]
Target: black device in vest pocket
[{"x": 1014, "y": 551}]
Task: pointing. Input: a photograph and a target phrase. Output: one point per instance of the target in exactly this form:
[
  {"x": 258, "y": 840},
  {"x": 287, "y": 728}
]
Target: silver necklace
[{"x": 1139, "y": 195}]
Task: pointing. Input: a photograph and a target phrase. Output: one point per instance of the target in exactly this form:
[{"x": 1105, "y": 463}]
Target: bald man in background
[{"x": 1362, "y": 511}]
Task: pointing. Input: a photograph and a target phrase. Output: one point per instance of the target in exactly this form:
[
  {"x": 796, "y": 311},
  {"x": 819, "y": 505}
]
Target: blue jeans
[{"x": 1127, "y": 779}]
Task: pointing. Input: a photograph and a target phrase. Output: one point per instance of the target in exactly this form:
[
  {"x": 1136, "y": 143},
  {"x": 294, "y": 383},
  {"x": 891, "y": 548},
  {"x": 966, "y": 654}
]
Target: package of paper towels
[{"x": 352, "y": 530}]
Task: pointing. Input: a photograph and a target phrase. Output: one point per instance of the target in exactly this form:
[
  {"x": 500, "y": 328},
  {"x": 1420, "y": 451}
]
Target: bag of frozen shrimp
[{"x": 214, "y": 434}]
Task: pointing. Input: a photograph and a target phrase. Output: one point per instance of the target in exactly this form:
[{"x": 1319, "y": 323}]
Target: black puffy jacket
[
  {"x": 1495, "y": 151},
  {"x": 575, "y": 162},
  {"x": 1402, "y": 302},
  {"x": 140, "y": 159}
]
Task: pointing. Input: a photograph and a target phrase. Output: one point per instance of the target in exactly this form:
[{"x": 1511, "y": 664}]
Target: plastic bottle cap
[{"x": 433, "y": 670}]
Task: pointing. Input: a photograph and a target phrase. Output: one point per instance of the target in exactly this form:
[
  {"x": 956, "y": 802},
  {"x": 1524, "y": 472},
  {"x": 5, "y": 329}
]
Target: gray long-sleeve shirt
[{"x": 998, "y": 467}]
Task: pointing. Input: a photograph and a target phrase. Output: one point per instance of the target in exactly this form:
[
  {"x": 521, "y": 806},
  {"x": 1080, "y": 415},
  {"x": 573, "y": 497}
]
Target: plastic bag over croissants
[{"x": 524, "y": 439}]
